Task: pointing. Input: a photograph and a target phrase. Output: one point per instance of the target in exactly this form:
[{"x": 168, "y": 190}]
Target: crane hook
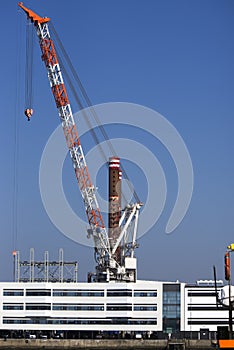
[{"x": 28, "y": 112}]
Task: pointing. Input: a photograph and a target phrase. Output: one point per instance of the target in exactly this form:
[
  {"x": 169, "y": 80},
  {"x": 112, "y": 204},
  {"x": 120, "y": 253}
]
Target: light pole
[{"x": 228, "y": 278}]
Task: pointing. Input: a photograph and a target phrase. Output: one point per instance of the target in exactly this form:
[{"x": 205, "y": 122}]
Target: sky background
[{"x": 175, "y": 57}]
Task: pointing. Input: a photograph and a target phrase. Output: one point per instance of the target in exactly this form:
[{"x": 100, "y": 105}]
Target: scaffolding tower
[{"x": 44, "y": 271}]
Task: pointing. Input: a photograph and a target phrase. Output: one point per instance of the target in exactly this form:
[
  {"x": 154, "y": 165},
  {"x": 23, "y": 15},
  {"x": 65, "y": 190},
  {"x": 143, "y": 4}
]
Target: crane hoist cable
[
  {"x": 29, "y": 70},
  {"x": 90, "y": 105},
  {"x": 15, "y": 158},
  {"x": 81, "y": 107},
  {"x": 85, "y": 116}
]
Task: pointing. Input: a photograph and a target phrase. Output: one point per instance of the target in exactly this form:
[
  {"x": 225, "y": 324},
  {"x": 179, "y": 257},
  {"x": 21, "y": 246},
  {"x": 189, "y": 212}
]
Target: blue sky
[{"x": 175, "y": 57}]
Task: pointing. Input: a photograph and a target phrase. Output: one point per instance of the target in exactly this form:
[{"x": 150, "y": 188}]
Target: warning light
[{"x": 231, "y": 246}]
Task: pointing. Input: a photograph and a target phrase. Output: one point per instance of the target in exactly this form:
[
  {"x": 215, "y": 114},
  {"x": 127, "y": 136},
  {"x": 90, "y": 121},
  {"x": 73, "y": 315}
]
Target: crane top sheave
[
  {"x": 33, "y": 16},
  {"x": 110, "y": 266}
]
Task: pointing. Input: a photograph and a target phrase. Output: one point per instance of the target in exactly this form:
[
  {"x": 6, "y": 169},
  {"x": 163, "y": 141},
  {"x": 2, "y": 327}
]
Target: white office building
[
  {"x": 81, "y": 306},
  {"x": 147, "y": 307},
  {"x": 200, "y": 310}
]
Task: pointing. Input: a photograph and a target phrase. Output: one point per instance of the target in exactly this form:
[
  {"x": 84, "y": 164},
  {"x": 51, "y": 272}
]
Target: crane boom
[{"x": 49, "y": 56}]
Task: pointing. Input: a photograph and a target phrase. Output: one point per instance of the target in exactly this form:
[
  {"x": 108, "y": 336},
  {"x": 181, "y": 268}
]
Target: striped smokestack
[{"x": 115, "y": 176}]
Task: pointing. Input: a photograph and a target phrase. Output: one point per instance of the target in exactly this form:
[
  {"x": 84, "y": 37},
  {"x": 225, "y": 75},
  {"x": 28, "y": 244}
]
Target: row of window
[
  {"x": 9, "y": 320},
  {"x": 80, "y": 293},
  {"x": 203, "y": 307},
  {"x": 202, "y": 294},
  {"x": 208, "y": 321},
  {"x": 119, "y": 293},
  {"x": 47, "y": 292},
  {"x": 128, "y": 307},
  {"x": 79, "y": 307},
  {"x": 150, "y": 293},
  {"x": 77, "y": 293}
]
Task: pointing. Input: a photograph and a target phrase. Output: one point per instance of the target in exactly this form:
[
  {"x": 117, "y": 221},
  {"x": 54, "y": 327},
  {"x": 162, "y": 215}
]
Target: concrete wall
[{"x": 105, "y": 344}]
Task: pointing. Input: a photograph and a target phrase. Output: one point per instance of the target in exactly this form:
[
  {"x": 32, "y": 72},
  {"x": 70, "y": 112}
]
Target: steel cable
[{"x": 88, "y": 104}]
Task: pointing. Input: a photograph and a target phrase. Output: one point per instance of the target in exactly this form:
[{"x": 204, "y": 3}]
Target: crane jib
[{"x": 59, "y": 92}]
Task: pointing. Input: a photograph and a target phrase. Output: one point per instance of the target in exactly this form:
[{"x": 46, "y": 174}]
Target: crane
[{"x": 108, "y": 268}]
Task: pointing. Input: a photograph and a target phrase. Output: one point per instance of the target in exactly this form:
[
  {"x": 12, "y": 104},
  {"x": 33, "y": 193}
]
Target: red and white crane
[{"x": 108, "y": 266}]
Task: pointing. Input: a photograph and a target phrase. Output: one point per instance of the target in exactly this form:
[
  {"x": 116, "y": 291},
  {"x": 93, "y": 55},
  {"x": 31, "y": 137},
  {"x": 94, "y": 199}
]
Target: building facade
[
  {"x": 146, "y": 307},
  {"x": 106, "y": 307},
  {"x": 200, "y": 309}
]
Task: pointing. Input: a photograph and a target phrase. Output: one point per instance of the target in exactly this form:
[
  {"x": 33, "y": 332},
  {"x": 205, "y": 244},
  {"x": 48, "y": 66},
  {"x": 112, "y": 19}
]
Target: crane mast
[{"x": 107, "y": 265}]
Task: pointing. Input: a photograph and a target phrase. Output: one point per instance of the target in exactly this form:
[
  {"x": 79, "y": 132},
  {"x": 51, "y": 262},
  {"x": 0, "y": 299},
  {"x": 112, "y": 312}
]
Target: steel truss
[{"x": 45, "y": 271}]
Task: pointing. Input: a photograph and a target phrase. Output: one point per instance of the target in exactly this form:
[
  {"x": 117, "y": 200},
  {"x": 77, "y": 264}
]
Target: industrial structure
[
  {"x": 114, "y": 253},
  {"x": 115, "y": 177},
  {"x": 44, "y": 270}
]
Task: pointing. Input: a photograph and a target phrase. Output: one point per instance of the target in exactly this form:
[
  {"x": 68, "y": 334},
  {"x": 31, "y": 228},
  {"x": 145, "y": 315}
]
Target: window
[
  {"x": 38, "y": 292},
  {"x": 77, "y": 293},
  {"x": 207, "y": 321},
  {"x": 149, "y": 293},
  {"x": 205, "y": 307},
  {"x": 202, "y": 294},
  {"x": 16, "y": 320},
  {"x": 11, "y": 306},
  {"x": 119, "y": 293},
  {"x": 119, "y": 307},
  {"x": 171, "y": 311},
  {"x": 143, "y": 321},
  {"x": 78, "y": 307},
  {"x": 171, "y": 307},
  {"x": 145, "y": 307},
  {"x": 37, "y": 306},
  {"x": 171, "y": 298},
  {"x": 13, "y": 292}
]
